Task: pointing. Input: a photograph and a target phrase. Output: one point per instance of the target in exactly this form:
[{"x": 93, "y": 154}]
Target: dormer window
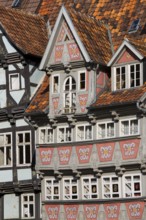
[
  {"x": 69, "y": 95},
  {"x": 127, "y": 76}
]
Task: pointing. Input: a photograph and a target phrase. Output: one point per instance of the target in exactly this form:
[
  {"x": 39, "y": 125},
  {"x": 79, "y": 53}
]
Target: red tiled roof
[
  {"x": 26, "y": 5},
  {"x": 26, "y": 31},
  {"x": 94, "y": 36},
  {"x": 118, "y": 15},
  {"x": 40, "y": 101},
  {"x": 120, "y": 97}
]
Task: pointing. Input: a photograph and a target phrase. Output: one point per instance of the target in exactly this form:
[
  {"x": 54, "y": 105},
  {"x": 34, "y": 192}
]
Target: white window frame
[
  {"x": 89, "y": 186},
  {"x": 64, "y": 134},
  {"x": 46, "y": 138},
  {"x": 28, "y": 204},
  {"x": 55, "y": 91},
  {"x": 17, "y": 84},
  {"x": 69, "y": 98},
  {"x": 51, "y": 185},
  {"x": 23, "y": 144},
  {"x": 84, "y": 136},
  {"x": 5, "y": 146},
  {"x": 129, "y": 133},
  {"x": 131, "y": 183},
  {"x": 110, "y": 194},
  {"x": 79, "y": 80},
  {"x": 127, "y": 76},
  {"x": 99, "y": 136},
  {"x": 68, "y": 188}
]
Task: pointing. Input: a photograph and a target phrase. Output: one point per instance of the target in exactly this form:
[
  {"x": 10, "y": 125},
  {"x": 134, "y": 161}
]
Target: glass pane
[
  {"x": 31, "y": 210},
  {"x": 27, "y": 150},
  {"x": 20, "y": 138},
  {"x": 27, "y": 137},
  {"x": 20, "y": 150}
]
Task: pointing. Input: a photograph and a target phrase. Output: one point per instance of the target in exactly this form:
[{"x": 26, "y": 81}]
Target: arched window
[{"x": 69, "y": 95}]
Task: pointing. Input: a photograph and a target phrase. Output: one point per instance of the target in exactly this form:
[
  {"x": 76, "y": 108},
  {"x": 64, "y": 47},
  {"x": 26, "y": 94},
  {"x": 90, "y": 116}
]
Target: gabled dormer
[
  {"x": 126, "y": 67},
  {"x": 71, "y": 59}
]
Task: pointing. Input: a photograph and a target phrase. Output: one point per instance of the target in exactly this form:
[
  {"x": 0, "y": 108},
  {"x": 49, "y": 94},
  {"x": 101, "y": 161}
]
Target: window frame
[
  {"x": 127, "y": 75},
  {"x": 53, "y": 84},
  {"x": 52, "y": 187},
  {"x": 84, "y": 132},
  {"x": 91, "y": 184},
  {"x": 71, "y": 185},
  {"x": 106, "y": 130},
  {"x": 129, "y": 132},
  {"x": 79, "y": 80},
  {"x": 11, "y": 83},
  {"x": 27, "y": 203},
  {"x": 23, "y": 144},
  {"x": 65, "y": 134},
  {"x": 111, "y": 183},
  {"x": 5, "y": 146},
  {"x": 46, "y": 135},
  {"x": 133, "y": 191}
]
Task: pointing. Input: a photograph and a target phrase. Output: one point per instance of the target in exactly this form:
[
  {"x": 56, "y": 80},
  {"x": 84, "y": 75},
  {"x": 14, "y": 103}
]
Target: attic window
[
  {"x": 15, "y": 3},
  {"x": 134, "y": 26}
]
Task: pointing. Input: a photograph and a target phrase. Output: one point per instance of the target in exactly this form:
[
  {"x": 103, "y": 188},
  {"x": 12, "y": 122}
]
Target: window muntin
[
  {"x": 52, "y": 189},
  {"x": 55, "y": 84},
  {"x": 82, "y": 80},
  {"x": 89, "y": 187},
  {"x": 106, "y": 130},
  {"x": 23, "y": 148},
  {"x": 14, "y": 81},
  {"x": 128, "y": 76},
  {"x": 64, "y": 134},
  {"x": 129, "y": 127},
  {"x": 46, "y": 135},
  {"x": 132, "y": 185},
  {"x": 70, "y": 188},
  {"x": 111, "y": 187},
  {"x": 69, "y": 95},
  {"x": 28, "y": 206},
  {"x": 6, "y": 149},
  {"x": 84, "y": 132}
]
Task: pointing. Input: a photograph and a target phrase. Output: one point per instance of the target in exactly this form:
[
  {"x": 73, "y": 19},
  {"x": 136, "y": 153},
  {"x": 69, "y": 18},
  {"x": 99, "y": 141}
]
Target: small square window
[
  {"x": 132, "y": 185},
  {"x": 129, "y": 127},
  {"x": 106, "y": 130},
  {"x": 27, "y": 206},
  {"x": 14, "y": 82},
  {"x": 82, "y": 81},
  {"x": 84, "y": 132}
]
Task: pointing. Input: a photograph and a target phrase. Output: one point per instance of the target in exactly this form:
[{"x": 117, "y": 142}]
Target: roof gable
[
  {"x": 63, "y": 16},
  {"x": 125, "y": 44}
]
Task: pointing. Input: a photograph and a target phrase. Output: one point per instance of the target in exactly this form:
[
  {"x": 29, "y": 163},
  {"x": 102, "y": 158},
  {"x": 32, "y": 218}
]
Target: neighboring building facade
[
  {"x": 19, "y": 78},
  {"x": 90, "y": 113}
]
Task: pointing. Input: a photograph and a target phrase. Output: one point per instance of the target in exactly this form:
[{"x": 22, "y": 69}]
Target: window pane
[
  {"x": 20, "y": 149},
  {"x": 27, "y": 150}
]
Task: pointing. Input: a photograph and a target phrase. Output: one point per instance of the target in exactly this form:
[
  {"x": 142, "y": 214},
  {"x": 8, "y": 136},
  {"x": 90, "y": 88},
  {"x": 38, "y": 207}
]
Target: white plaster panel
[
  {"x": 5, "y": 176},
  {"x": 17, "y": 95},
  {"x": 30, "y": 67},
  {"x": 11, "y": 67},
  {"x": 24, "y": 174},
  {"x": 20, "y": 123},
  {"x": 2, "y": 76},
  {"x": 8, "y": 46},
  {"x": 11, "y": 206},
  {"x": 22, "y": 82},
  {"x": 32, "y": 90},
  {"x": 36, "y": 77},
  {"x": 20, "y": 66},
  {"x": 5, "y": 124},
  {"x": 3, "y": 98}
]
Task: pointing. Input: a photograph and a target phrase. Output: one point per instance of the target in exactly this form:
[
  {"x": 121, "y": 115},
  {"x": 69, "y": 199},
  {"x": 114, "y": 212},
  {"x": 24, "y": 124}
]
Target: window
[
  {"x": 55, "y": 84},
  {"x": 134, "y": 26},
  {"x": 14, "y": 82},
  {"x": 129, "y": 127},
  {"x": 111, "y": 187},
  {"x": 82, "y": 81},
  {"x": 28, "y": 206},
  {"x": 24, "y": 148},
  {"x": 128, "y": 76},
  {"x": 106, "y": 130},
  {"x": 52, "y": 189},
  {"x": 64, "y": 134},
  {"x": 89, "y": 188},
  {"x": 132, "y": 185},
  {"x": 69, "y": 95},
  {"x": 5, "y": 149},
  {"x": 84, "y": 132},
  {"x": 46, "y": 135},
  {"x": 70, "y": 188}
]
